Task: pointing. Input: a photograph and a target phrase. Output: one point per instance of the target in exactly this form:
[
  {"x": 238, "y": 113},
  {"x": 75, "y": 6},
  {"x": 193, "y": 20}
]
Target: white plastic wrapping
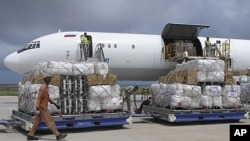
[
  {"x": 201, "y": 76},
  {"x": 84, "y": 68},
  {"x": 104, "y": 97},
  {"x": 101, "y": 68},
  {"x": 230, "y": 101},
  {"x": 208, "y": 65},
  {"x": 231, "y": 90},
  {"x": 28, "y": 94},
  {"x": 191, "y": 90},
  {"x": 245, "y": 92},
  {"x": 215, "y": 76},
  {"x": 212, "y": 90},
  {"x": 67, "y": 68},
  {"x": 100, "y": 91},
  {"x": 206, "y": 101},
  {"x": 217, "y": 101},
  {"x": 195, "y": 101}
]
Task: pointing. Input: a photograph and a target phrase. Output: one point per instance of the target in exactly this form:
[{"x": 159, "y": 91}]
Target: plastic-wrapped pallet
[
  {"x": 215, "y": 76},
  {"x": 180, "y": 101},
  {"x": 196, "y": 101},
  {"x": 207, "y": 70},
  {"x": 231, "y": 95},
  {"x": 206, "y": 101},
  {"x": 243, "y": 79},
  {"x": 208, "y": 65},
  {"x": 176, "y": 95},
  {"x": 245, "y": 92},
  {"x": 54, "y": 67},
  {"x": 101, "y": 68},
  {"x": 84, "y": 68},
  {"x": 68, "y": 68},
  {"x": 191, "y": 90},
  {"x": 104, "y": 97},
  {"x": 28, "y": 96},
  {"x": 156, "y": 91},
  {"x": 212, "y": 90},
  {"x": 161, "y": 95},
  {"x": 213, "y": 96},
  {"x": 217, "y": 101}
]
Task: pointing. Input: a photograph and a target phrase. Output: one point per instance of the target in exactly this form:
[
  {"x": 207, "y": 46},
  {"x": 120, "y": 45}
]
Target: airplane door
[
  {"x": 90, "y": 46},
  {"x": 85, "y": 51}
]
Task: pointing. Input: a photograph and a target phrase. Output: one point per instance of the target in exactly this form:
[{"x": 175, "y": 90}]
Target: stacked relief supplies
[
  {"x": 80, "y": 87},
  {"x": 28, "y": 94},
  {"x": 205, "y": 70},
  {"x": 244, "y": 81},
  {"x": 206, "y": 88},
  {"x": 176, "y": 95}
]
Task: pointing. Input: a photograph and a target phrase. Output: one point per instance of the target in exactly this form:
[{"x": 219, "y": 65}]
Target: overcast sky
[{"x": 24, "y": 20}]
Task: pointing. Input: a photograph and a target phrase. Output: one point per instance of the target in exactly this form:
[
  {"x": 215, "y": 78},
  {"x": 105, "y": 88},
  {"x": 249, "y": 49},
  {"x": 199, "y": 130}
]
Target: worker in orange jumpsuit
[{"x": 43, "y": 112}]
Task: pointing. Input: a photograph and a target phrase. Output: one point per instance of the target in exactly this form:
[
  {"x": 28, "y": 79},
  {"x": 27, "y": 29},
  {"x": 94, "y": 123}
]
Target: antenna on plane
[{"x": 59, "y": 30}]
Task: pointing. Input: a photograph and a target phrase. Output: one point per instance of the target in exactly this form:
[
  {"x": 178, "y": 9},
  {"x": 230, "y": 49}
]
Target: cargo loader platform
[
  {"x": 196, "y": 115},
  {"x": 75, "y": 121}
]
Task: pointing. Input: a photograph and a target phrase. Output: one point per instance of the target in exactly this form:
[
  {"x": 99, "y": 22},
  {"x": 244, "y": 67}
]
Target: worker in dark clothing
[{"x": 145, "y": 102}]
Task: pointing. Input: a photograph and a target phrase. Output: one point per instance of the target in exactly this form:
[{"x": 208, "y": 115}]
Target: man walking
[{"x": 43, "y": 112}]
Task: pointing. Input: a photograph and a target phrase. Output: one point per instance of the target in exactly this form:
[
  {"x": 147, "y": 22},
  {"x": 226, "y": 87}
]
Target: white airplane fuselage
[{"x": 130, "y": 56}]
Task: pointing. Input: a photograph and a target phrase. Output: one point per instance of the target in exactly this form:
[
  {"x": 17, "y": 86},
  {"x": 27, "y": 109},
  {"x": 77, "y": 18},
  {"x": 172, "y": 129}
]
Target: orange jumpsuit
[{"x": 42, "y": 104}]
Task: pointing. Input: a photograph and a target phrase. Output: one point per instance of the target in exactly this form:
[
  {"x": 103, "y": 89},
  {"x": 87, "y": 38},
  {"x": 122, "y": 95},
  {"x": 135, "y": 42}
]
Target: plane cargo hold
[{"x": 193, "y": 83}]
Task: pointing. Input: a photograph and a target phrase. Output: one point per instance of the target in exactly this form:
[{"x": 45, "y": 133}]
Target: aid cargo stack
[
  {"x": 88, "y": 94},
  {"x": 197, "y": 90}
]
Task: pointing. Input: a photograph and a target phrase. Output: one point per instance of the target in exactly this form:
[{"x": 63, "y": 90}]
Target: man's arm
[{"x": 52, "y": 102}]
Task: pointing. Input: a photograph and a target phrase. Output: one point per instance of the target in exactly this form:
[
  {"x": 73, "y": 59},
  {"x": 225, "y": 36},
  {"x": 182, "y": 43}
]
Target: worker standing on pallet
[
  {"x": 130, "y": 90},
  {"x": 43, "y": 112}
]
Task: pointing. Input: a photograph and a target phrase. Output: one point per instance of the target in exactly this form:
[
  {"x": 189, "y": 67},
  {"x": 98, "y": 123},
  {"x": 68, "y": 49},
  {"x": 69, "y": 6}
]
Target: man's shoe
[
  {"x": 61, "y": 136},
  {"x": 32, "y": 138}
]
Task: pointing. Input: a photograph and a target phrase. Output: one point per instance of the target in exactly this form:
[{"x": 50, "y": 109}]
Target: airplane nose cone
[{"x": 12, "y": 62}]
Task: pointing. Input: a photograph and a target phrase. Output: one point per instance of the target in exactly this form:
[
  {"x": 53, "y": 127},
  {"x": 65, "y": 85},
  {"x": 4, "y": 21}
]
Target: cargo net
[
  {"x": 244, "y": 80},
  {"x": 79, "y": 88},
  {"x": 197, "y": 84},
  {"x": 183, "y": 96},
  {"x": 196, "y": 72}
]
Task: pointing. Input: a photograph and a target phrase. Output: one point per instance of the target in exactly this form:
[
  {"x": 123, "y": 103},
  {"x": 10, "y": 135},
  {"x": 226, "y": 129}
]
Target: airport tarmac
[{"x": 142, "y": 129}]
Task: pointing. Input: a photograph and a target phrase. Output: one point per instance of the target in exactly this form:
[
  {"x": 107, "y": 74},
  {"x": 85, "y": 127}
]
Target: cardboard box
[
  {"x": 92, "y": 80},
  {"x": 190, "y": 77},
  {"x": 112, "y": 79},
  {"x": 173, "y": 77},
  {"x": 161, "y": 79},
  {"x": 102, "y": 79}
]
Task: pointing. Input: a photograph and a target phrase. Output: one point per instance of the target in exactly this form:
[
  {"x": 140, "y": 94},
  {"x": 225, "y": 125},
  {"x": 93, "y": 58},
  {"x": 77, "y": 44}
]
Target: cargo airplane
[{"x": 130, "y": 56}]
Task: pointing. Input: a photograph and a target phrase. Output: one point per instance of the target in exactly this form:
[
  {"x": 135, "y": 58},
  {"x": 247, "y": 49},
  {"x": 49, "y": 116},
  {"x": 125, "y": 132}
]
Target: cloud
[{"x": 23, "y": 21}]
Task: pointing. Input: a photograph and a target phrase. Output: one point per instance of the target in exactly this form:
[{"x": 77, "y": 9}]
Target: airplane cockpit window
[{"x": 31, "y": 45}]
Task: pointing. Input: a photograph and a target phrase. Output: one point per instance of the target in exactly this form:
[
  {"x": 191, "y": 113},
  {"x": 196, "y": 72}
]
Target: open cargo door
[
  {"x": 182, "y": 31},
  {"x": 180, "y": 38}
]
